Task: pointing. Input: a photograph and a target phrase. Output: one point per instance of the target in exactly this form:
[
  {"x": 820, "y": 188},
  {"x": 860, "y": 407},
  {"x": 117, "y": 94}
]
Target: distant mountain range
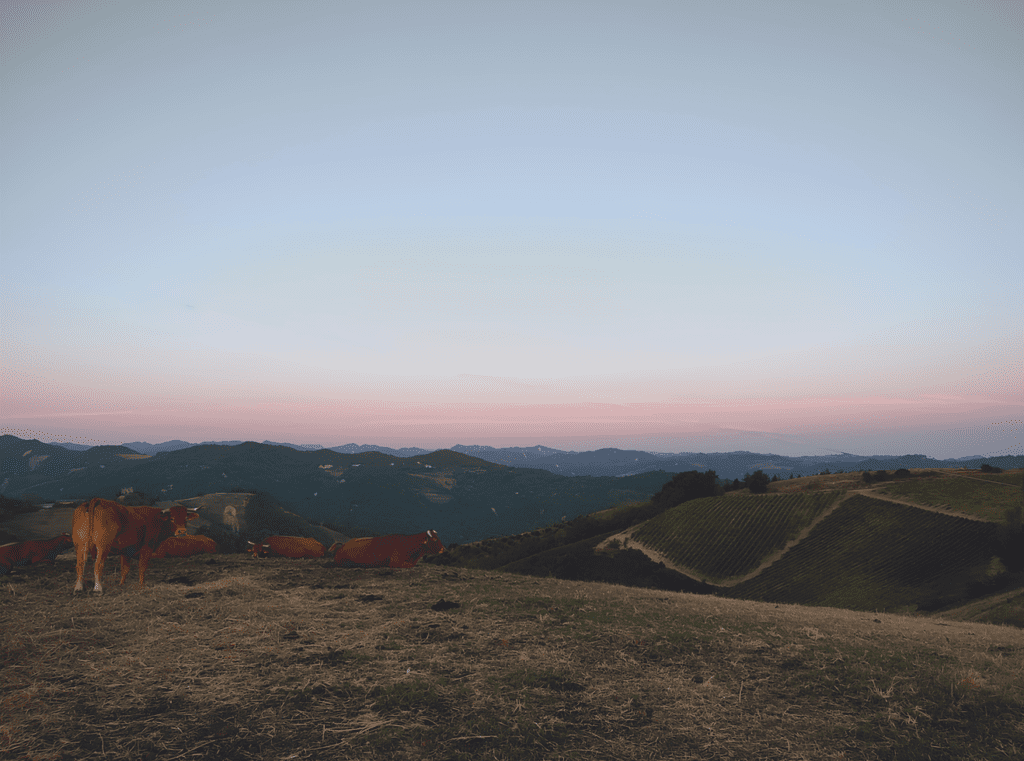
[
  {"x": 622, "y": 462},
  {"x": 463, "y": 497},
  {"x": 466, "y": 495}
]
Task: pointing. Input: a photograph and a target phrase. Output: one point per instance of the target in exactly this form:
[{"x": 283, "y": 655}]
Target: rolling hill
[
  {"x": 872, "y": 554},
  {"x": 461, "y": 496},
  {"x": 829, "y": 540}
]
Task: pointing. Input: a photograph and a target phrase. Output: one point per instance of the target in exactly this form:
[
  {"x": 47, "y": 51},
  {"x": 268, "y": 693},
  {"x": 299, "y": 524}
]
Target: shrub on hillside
[
  {"x": 986, "y": 468},
  {"x": 1011, "y": 539}
]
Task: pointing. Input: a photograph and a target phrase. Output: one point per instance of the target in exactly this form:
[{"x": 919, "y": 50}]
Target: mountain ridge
[
  {"x": 611, "y": 461},
  {"x": 370, "y": 493}
]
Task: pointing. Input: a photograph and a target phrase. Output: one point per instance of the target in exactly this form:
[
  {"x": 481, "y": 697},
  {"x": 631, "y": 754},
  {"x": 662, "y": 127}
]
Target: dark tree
[
  {"x": 757, "y": 482},
  {"x": 686, "y": 486}
]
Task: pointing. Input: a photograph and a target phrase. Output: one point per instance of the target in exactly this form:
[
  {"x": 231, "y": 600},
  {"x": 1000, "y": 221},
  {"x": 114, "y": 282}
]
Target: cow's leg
[
  {"x": 144, "y": 564},
  {"x": 82, "y": 554},
  {"x": 101, "y": 562},
  {"x": 126, "y": 567}
]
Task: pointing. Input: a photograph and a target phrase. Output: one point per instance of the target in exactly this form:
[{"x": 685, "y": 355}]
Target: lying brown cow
[
  {"x": 109, "y": 526},
  {"x": 33, "y": 551},
  {"x": 391, "y": 551},
  {"x": 185, "y": 545},
  {"x": 287, "y": 547}
]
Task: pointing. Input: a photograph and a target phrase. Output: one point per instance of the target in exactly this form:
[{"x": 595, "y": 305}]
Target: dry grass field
[{"x": 232, "y": 658}]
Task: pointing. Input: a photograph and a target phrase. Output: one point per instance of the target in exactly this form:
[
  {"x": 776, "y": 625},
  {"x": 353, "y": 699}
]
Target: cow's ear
[{"x": 191, "y": 517}]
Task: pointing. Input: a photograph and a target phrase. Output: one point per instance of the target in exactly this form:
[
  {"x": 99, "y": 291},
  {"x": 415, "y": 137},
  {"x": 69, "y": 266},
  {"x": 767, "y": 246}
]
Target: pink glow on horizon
[{"x": 796, "y": 424}]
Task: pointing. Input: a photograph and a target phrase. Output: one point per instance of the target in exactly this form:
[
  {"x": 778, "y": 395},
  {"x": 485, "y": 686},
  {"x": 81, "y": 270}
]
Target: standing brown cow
[{"x": 130, "y": 531}]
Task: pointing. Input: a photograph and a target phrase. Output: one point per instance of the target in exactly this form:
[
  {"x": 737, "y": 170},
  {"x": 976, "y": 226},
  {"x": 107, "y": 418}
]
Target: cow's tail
[{"x": 90, "y": 537}]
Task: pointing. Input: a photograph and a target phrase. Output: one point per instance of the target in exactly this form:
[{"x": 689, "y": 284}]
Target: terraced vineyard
[
  {"x": 871, "y": 554},
  {"x": 723, "y": 537}
]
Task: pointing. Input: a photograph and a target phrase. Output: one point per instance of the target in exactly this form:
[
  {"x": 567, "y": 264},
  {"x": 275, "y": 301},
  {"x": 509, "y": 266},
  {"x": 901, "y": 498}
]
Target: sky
[{"x": 787, "y": 227}]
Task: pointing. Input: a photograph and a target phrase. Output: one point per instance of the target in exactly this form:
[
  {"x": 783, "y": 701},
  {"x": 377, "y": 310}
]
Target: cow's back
[
  {"x": 363, "y": 551},
  {"x": 185, "y": 546},
  {"x": 47, "y": 550},
  {"x": 296, "y": 547}
]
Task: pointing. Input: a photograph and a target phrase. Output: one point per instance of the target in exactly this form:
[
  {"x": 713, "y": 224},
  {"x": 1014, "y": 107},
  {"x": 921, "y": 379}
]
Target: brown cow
[
  {"x": 33, "y": 551},
  {"x": 129, "y": 531},
  {"x": 185, "y": 545},
  {"x": 391, "y": 551},
  {"x": 288, "y": 547}
]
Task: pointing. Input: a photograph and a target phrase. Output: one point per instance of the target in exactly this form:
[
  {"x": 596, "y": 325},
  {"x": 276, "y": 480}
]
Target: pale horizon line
[{"x": 55, "y": 440}]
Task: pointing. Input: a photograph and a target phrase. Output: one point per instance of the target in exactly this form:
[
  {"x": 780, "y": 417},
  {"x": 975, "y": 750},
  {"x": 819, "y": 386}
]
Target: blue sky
[{"x": 786, "y": 227}]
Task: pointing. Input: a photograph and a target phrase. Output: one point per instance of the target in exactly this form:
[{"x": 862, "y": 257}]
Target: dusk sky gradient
[{"x": 786, "y": 227}]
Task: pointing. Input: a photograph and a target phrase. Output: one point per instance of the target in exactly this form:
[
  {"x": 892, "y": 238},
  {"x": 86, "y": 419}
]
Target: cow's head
[
  {"x": 433, "y": 542},
  {"x": 180, "y": 516},
  {"x": 257, "y": 549}
]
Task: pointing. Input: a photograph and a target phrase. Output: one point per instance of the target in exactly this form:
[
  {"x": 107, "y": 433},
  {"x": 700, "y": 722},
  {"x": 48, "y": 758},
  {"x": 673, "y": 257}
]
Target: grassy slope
[
  {"x": 1005, "y": 607},
  {"x": 228, "y": 658},
  {"x": 875, "y": 555},
  {"x": 981, "y": 495},
  {"x": 892, "y": 557}
]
